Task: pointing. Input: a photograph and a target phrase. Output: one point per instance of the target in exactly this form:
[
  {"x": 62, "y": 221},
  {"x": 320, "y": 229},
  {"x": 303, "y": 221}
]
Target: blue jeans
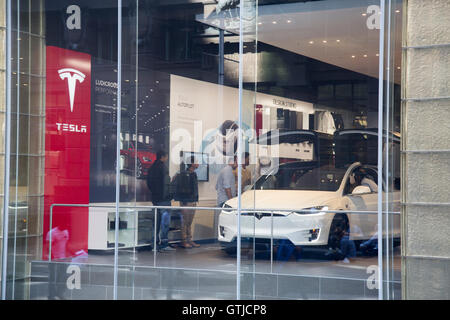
[
  {"x": 348, "y": 247},
  {"x": 163, "y": 217}
]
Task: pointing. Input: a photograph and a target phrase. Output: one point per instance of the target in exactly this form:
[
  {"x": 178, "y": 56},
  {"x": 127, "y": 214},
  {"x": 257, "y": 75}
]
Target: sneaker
[
  {"x": 186, "y": 245},
  {"x": 193, "y": 244},
  {"x": 167, "y": 249}
]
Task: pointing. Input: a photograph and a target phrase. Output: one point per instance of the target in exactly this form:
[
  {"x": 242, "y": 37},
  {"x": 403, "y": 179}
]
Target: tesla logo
[
  {"x": 72, "y": 76},
  {"x": 71, "y": 127},
  {"x": 259, "y": 215}
]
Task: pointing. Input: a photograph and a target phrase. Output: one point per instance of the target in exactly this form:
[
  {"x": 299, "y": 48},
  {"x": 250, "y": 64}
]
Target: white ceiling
[{"x": 332, "y": 31}]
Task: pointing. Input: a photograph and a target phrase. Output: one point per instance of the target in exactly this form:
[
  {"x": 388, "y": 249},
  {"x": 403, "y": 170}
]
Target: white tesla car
[{"x": 301, "y": 186}]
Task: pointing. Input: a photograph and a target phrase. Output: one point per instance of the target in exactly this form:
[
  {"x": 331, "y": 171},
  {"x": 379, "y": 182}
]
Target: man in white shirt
[{"x": 226, "y": 186}]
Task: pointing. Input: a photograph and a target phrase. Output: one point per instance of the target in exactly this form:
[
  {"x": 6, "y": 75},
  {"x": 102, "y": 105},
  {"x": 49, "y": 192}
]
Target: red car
[{"x": 141, "y": 158}]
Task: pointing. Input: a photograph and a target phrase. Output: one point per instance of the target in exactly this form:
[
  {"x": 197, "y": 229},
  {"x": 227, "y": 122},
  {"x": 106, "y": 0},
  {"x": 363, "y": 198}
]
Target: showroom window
[{"x": 201, "y": 149}]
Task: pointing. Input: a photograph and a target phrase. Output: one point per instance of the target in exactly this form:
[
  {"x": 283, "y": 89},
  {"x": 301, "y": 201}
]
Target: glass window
[{"x": 132, "y": 142}]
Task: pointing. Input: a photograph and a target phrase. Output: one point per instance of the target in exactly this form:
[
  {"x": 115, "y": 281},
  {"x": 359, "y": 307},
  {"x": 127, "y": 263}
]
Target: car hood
[{"x": 283, "y": 199}]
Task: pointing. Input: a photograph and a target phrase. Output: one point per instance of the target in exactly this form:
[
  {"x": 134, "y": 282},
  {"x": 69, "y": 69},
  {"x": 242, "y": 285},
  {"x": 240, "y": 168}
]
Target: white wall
[{"x": 197, "y": 109}]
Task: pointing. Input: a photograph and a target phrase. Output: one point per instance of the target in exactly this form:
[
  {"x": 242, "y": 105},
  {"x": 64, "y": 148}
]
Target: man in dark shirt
[
  {"x": 158, "y": 181},
  {"x": 187, "y": 193}
]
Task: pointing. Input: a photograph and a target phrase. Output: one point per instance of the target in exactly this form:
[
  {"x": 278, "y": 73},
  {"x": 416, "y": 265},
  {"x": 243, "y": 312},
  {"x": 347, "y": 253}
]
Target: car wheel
[
  {"x": 139, "y": 170},
  {"x": 339, "y": 225},
  {"x": 230, "y": 251},
  {"x": 229, "y": 248}
]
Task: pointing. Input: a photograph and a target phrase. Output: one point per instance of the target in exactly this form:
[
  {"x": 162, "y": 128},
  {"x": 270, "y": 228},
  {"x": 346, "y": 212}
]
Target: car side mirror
[{"x": 361, "y": 190}]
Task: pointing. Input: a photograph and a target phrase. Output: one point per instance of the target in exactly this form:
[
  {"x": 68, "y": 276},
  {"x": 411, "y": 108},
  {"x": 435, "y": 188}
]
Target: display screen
[{"x": 202, "y": 159}]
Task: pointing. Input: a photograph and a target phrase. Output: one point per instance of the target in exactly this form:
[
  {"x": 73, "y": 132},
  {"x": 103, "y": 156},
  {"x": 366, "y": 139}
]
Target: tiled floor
[
  {"x": 211, "y": 257},
  {"x": 208, "y": 273}
]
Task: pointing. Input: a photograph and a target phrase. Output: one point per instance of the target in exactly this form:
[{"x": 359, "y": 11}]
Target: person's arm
[
  {"x": 227, "y": 183},
  {"x": 228, "y": 192}
]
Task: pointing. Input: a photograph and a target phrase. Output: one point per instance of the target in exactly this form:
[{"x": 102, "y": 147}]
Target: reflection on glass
[{"x": 307, "y": 126}]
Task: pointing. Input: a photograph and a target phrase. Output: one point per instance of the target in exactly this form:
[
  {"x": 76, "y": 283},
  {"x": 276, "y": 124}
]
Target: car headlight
[
  {"x": 146, "y": 159},
  {"x": 313, "y": 210},
  {"x": 227, "y": 208}
]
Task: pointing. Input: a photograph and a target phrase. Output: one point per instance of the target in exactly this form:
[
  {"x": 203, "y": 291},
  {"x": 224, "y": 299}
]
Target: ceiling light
[
  {"x": 398, "y": 68},
  {"x": 365, "y": 56},
  {"x": 338, "y": 40},
  {"x": 324, "y": 41},
  {"x": 397, "y": 11},
  {"x": 289, "y": 21},
  {"x": 353, "y": 57},
  {"x": 364, "y": 14},
  {"x": 274, "y": 22},
  {"x": 311, "y": 42},
  {"x": 377, "y": 54},
  {"x": 259, "y": 23}
]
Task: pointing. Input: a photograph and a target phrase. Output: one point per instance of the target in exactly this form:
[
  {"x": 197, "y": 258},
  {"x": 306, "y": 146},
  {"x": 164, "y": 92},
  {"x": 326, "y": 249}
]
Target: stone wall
[{"x": 426, "y": 146}]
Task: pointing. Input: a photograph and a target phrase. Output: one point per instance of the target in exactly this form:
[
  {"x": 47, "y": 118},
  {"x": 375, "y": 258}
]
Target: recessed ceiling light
[
  {"x": 353, "y": 57},
  {"x": 364, "y": 14},
  {"x": 338, "y": 40},
  {"x": 311, "y": 42},
  {"x": 324, "y": 41},
  {"x": 397, "y": 11},
  {"x": 289, "y": 21},
  {"x": 274, "y": 22},
  {"x": 377, "y": 54},
  {"x": 398, "y": 68},
  {"x": 365, "y": 56},
  {"x": 260, "y": 23}
]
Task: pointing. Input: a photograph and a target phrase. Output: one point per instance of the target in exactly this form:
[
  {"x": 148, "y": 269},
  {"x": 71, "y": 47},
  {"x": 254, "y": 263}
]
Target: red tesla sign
[{"x": 67, "y": 151}]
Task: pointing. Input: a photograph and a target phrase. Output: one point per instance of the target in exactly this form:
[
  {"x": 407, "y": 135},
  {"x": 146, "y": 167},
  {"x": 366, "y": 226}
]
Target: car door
[{"x": 362, "y": 226}]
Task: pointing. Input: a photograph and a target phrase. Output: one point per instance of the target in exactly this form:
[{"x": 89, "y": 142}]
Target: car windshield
[{"x": 297, "y": 178}]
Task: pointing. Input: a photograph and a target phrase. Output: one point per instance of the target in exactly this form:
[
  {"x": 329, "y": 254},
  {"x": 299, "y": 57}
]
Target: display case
[{"x": 136, "y": 228}]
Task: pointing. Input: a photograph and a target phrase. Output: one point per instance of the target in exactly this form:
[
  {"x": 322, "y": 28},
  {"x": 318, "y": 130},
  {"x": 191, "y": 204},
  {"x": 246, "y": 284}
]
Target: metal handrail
[
  {"x": 155, "y": 208},
  {"x": 217, "y": 208}
]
